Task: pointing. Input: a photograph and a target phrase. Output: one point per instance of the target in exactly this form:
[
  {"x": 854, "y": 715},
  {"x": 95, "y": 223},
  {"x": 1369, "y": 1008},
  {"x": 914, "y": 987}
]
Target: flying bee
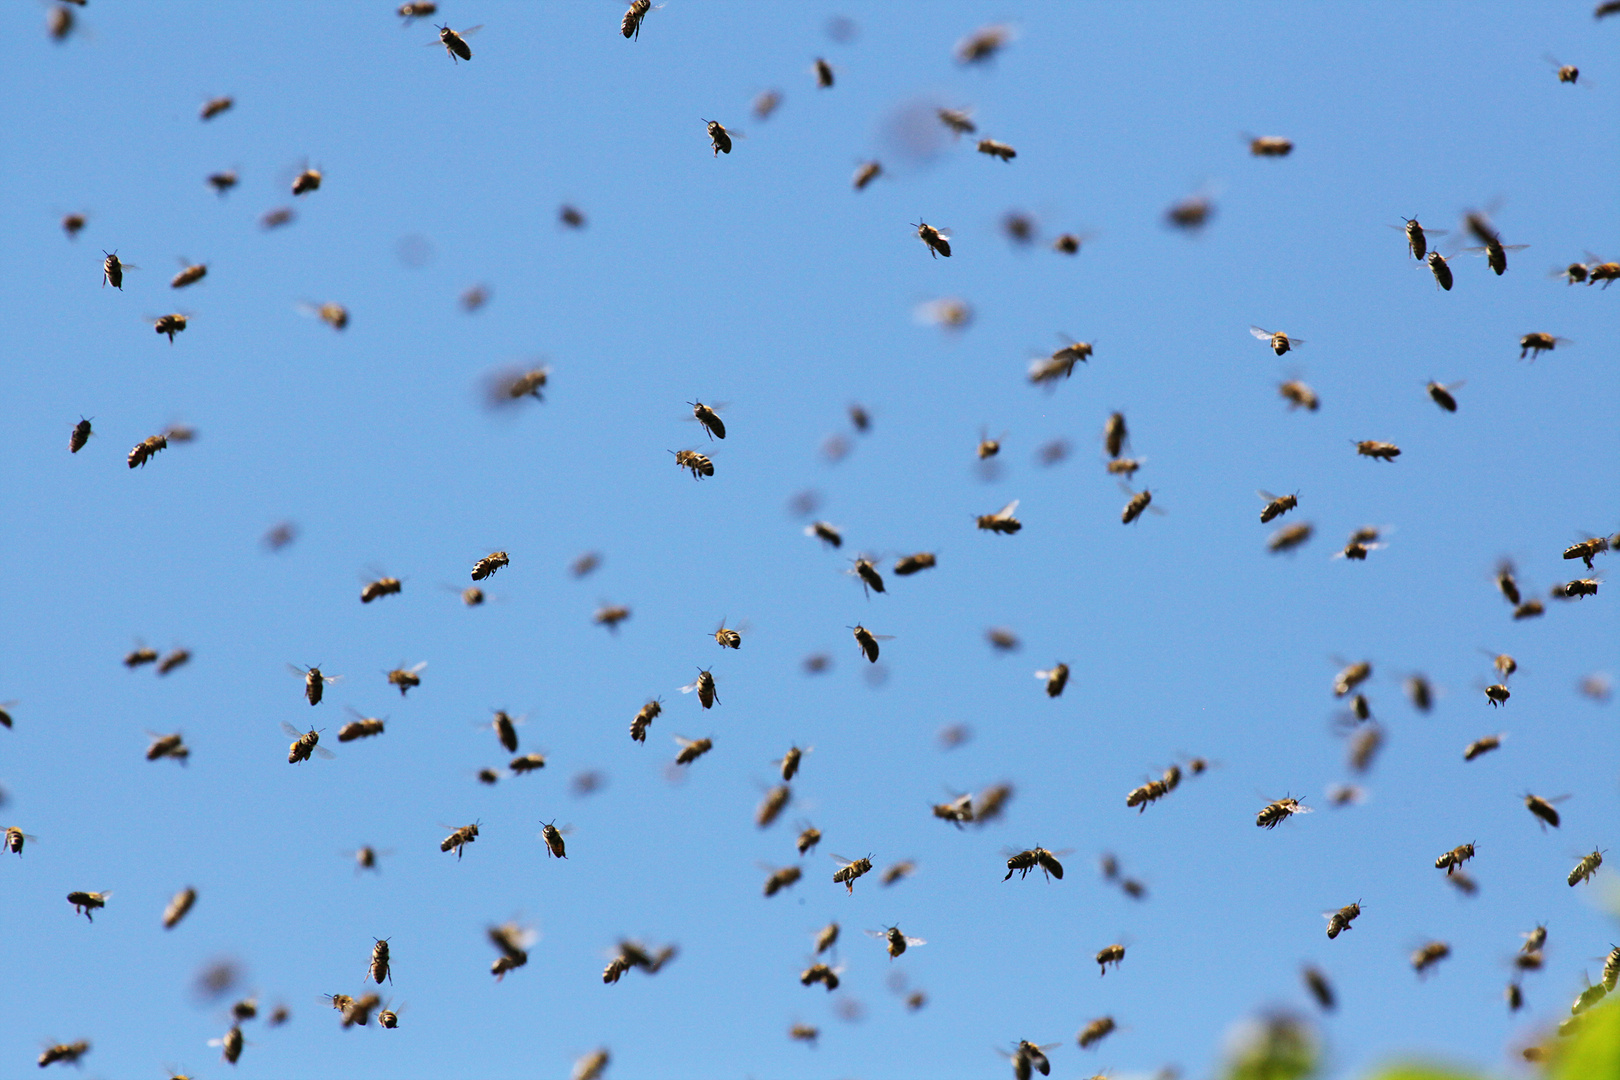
[
  {"x": 692, "y": 749},
  {"x": 488, "y": 776},
  {"x": 146, "y": 449},
  {"x": 1383, "y": 451},
  {"x": 1279, "y": 341},
  {"x": 824, "y": 73},
  {"x": 988, "y": 447},
  {"x": 1586, "y": 549},
  {"x": 274, "y": 219},
  {"x": 1056, "y": 678},
  {"x": 826, "y": 938},
  {"x": 1611, "y": 969},
  {"x": 365, "y": 858},
  {"x": 1543, "y": 809},
  {"x": 983, "y": 44},
  {"x": 1298, "y": 395},
  {"x": 1035, "y": 858},
  {"x": 591, "y": 1066},
  {"x": 644, "y": 717},
  {"x": 610, "y": 616},
  {"x": 306, "y": 181},
  {"x": 907, "y": 565},
  {"x": 991, "y": 802},
  {"x": 361, "y": 727},
  {"x": 771, "y": 807},
  {"x": 1453, "y": 859},
  {"x": 1595, "y": 686},
  {"x": 1351, "y": 677},
  {"x": 1276, "y": 505},
  {"x": 1428, "y": 955},
  {"x": 505, "y": 725},
  {"x": 1290, "y": 537},
  {"x": 1339, "y": 921},
  {"x": 1463, "y": 882},
  {"x": 215, "y": 106},
  {"x": 385, "y": 586},
  {"x": 997, "y": 149},
  {"x": 1115, "y": 434},
  {"x": 512, "y": 384},
  {"x": 332, "y": 314},
  {"x": 378, "y": 969},
  {"x": 244, "y": 1009},
  {"x": 230, "y": 1044},
  {"x": 71, "y": 224},
  {"x": 1019, "y": 226},
  {"x": 1496, "y": 253},
  {"x": 826, "y": 533},
  {"x": 1533, "y": 345},
  {"x": 1002, "y": 521},
  {"x": 960, "y": 121},
  {"x": 1190, "y": 214},
  {"x": 1529, "y": 610},
  {"x": 896, "y": 942},
  {"x": 223, "y": 181},
  {"x": 304, "y": 744},
  {"x": 868, "y": 641},
  {"x": 1270, "y": 146},
  {"x": 937, "y": 240},
  {"x": 171, "y": 324},
  {"x": 136, "y": 657},
  {"x": 699, "y": 464},
  {"x": 358, "y": 1010},
  {"x": 406, "y": 678},
  {"x": 897, "y": 872},
  {"x": 704, "y": 685},
  {"x": 59, "y": 24},
  {"x": 821, "y": 973},
  {"x": 1528, "y": 960},
  {"x": 850, "y": 870},
  {"x": 1028, "y": 1056},
  {"x": 1275, "y": 813},
  {"x": 490, "y": 563},
  {"x": 1604, "y": 272},
  {"x": 804, "y": 1033},
  {"x": 1150, "y": 792},
  {"x": 189, "y": 275},
  {"x": 112, "y": 271},
  {"x": 789, "y": 764},
  {"x": 314, "y": 681},
  {"x": 1094, "y": 1032},
  {"x": 472, "y": 596},
  {"x": 1441, "y": 269},
  {"x": 388, "y": 1017},
  {"x": 171, "y": 745},
  {"x": 1583, "y": 872},
  {"x": 1481, "y": 746},
  {"x": 1317, "y": 983},
  {"x": 866, "y": 173},
  {"x": 1361, "y": 542},
  {"x": 459, "y": 838},
  {"x": 86, "y": 902},
  {"x": 1417, "y": 238},
  {"x": 780, "y": 879},
  {"x": 1139, "y": 501},
  {"x": 719, "y": 137},
  {"x": 866, "y": 570},
  {"x": 1360, "y": 708},
  {"x": 1110, "y": 954},
  {"x": 766, "y": 103},
  {"x": 630, "y": 27},
  {"x": 709, "y": 417},
  {"x": 1068, "y": 244},
  {"x": 14, "y": 840},
  {"x": 1497, "y": 694},
  {"x": 454, "y": 44},
  {"x": 417, "y": 9},
  {"x": 957, "y": 811},
  {"x": 809, "y": 837}
]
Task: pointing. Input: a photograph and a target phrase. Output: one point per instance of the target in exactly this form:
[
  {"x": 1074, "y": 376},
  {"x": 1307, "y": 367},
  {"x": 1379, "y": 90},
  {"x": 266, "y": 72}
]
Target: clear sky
[{"x": 761, "y": 279}]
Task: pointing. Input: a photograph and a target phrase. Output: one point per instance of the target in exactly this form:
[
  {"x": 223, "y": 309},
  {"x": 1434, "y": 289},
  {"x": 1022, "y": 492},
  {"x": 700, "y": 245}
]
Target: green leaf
[
  {"x": 1425, "y": 1072},
  {"x": 1593, "y": 1050}
]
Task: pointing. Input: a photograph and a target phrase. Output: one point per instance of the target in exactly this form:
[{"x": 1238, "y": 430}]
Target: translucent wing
[
  {"x": 325, "y": 753},
  {"x": 290, "y": 730},
  {"x": 1007, "y": 511},
  {"x": 1263, "y": 335}
]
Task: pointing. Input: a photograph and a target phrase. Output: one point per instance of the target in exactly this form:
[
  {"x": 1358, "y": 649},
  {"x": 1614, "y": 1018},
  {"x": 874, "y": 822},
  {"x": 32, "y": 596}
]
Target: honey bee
[
  {"x": 719, "y": 137},
  {"x": 997, "y": 149},
  {"x": 274, "y": 219},
  {"x": 178, "y": 906},
  {"x": 850, "y": 870},
  {"x": 824, "y": 73},
  {"x": 1094, "y": 1032},
  {"x": 304, "y": 744},
  {"x": 1533, "y": 345},
  {"x": 215, "y": 106},
  {"x": 592, "y": 1065},
  {"x": 112, "y": 271},
  {"x": 512, "y": 385},
  {"x": 766, "y": 103},
  {"x": 1602, "y": 271},
  {"x": 490, "y": 563},
  {"x": 86, "y": 902},
  {"x": 699, "y": 464},
  {"x": 1279, "y": 341},
  {"x": 991, "y": 802},
  {"x": 804, "y": 1033},
  {"x": 1442, "y": 395},
  {"x": 459, "y": 838},
  {"x": 1529, "y": 610},
  {"x": 1543, "y": 809},
  {"x": 1115, "y": 434},
  {"x": 68, "y": 1052},
  {"x": 403, "y": 677},
  {"x": 571, "y": 216},
  {"x": 1481, "y": 746},
  {"x": 223, "y": 181},
  {"x": 1316, "y": 981},
  {"x": 957, "y": 811},
  {"x": 332, "y": 314},
  {"x": 1002, "y": 521},
  {"x": 71, "y": 224},
  {"x": 189, "y": 275},
  {"x": 1586, "y": 549},
  {"x": 1583, "y": 872},
  {"x": 1594, "y": 686},
  {"x": 1290, "y": 537},
  {"x": 171, "y": 325},
  {"x": 472, "y": 596},
  {"x": 1028, "y": 1056},
  {"x": 1428, "y": 955},
  {"x": 868, "y": 641},
  {"x": 960, "y": 121},
  {"x": 704, "y": 685},
  {"x": 1275, "y": 813},
  {"x": 1276, "y": 505},
  {"x": 361, "y": 727},
  {"x": 1035, "y": 858},
  {"x": 1150, "y": 792},
  {"x": 897, "y": 872},
  {"x": 896, "y": 942},
  {"x": 782, "y": 878},
  {"x": 488, "y": 776},
  {"x": 514, "y": 942},
  {"x": 357, "y": 1012},
  {"x": 826, "y": 533},
  {"x": 171, "y": 745},
  {"x": 386, "y": 586},
  {"x": 418, "y": 9},
  {"x": 1339, "y": 921},
  {"x": 982, "y": 44},
  {"x": 388, "y": 1017},
  {"x": 789, "y": 764},
  {"x": 1002, "y": 639},
  {"x": 173, "y": 659},
  {"x": 1110, "y": 954},
  {"x": 1139, "y": 501},
  {"x": 1611, "y": 969},
  {"x": 866, "y": 173},
  {"x": 1441, "y": 269},
  {"x": 646, "y": 715},
  {"x": 1298, "y": 395},
  {"x": 821, "y": 973},
  {"x": 1270, "y": 146},
  {"x": 230, "y": 1044},
  {"x": 1453, "y": 859},
  {"x": 1416, "y": 237},
  {"x": 1361, "y": 542},
  {"x": 1380, "y": 450},
  {"x": 14, "y": 840},
  {"x": 1191, "y": 214},
  {"x": 866, "y": 570},
  {"x": 771, "y": 807},
  {"x": 314, "y": 681},
  {"x": 1067, "y": 244},
  {"x": 1351, "y": 677},
  {"x": 1056, "y": 678},
  {"x": 809, "y": 837},
  {"x": 453, "y": 44},
  {"x": 937, "y": 240},
  {"x": 378, "y": 969},
  {"x": 630, "y": 27},
  {"x": 59, "y": 24},
  {"x": 144, "y": 450},
  {"x": 910, "y": 564},
  {"x": 692, "y": 749},
  {"x": 1497, "y": 694}
]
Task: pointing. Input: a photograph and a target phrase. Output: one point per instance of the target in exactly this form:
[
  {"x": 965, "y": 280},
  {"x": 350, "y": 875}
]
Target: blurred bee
[
  {"x": 173, "y": 659},
  {"x": 1506, "y": 582},
  {"x": 453, "y": 44},
  {"x": 630, "y": 27},
  {"x": 487, "y": 776},
  {"x": 704, "y": 685},
  {"x": 170, "y": 324},
  {"x": 419, "y": 9},
  {"x": 595, "y": 1063},
  {"x": 897, "y": 872},
  {"x": 997, "y": 149},
  {"x": 824, "y": 73},
  {"x": 1604, "y": 272},
  {"x": 1056, "y": 678},
  {"x": 957, "y": 811},
  {"x": 14, "y": 840},
  {"x": 789, "y": 764},
  {"x": 1139, "y": 501},
  {"x": 365, "y": 858},
  {"x": 907, "y": 565},
  {"x": 1587, "y": 548},
  {"x": 377, "y": 970},
  {"x": 1276, "y": 505},
  {"x": 1381, "y": 450},
  {"x": 646, "y": 715},
  {"x": 472, "y": 596},
  {"x": 332, "y": 314},
  {"x": 699, "y": 464},
  {"x": 821, "y": 973},
  {"x": 868, "y": 642},
  {"x": 361, "y": 727},
  {"x": 1115, "y": 434},
  {"x": 782, "y": 878},
  {"x": 866, "y": 570},
  {"x": 1279, "y": 341},
  {"x": 958, "y": 120},
  {"x": 771, "y": 807},
  {"x": 1290, "y": 537},
  {"x": 1351, "y": 677},
  {"x": 991, "y": 802},
  {"x": 178, "y": 906},
  {"x": 1029, "y": 1056},
  {"x": 866, "y": 173},
  {"x": 1428, "y": 955},
  {"x": 1360, "y": 708},
  {"x": 223, "y": 181},
  {"x": 1002, "y": 521},
  {"x": 60, "y": 22},
  {"x": 459, "y": 839},
  {"x": 719, "y": 137},
  {"x": 809, "y": 837},
  {"x": 1361, "y": 542},
  {"x": 982, "y": 44},
  {"x": 1191, "y": 214},
  {"x": 144, "y": 450},
  {"x": 274, "y": 219},
  {"x": 514, "y": 942},
  {"x": 1497, "y": 694},
  {"x": 1339, "y": 921},
  {"x": 850, "y": 871},
  {"x": 1050, "y": 453},
  {"x": 1452, "y": 860},
  {"x": 230, "y": 1044},
  {"x": 509, "y": 386},
  {"x": 825, "y": 532},
  {"x": 171, "y": 745},
  {"x": 245, "y": 1009},
  {"x": 403, "y": 677},
  {"x": 68, "y": 1052},
  {"x": 386, "y": 586},
  {"x": 1317, "y": 983},
  {"x": 358, "y": 1010},
  {"x": 1583, "y": 872},
  {"x": 937, "y": 240},
  {"x": 1543, "y": 809},
  {"x": 1110, "y": 954},
  {"x": 71, "y": 224},
  {"x": 1463, "y": 882},
  {"x": 215, "y": 106},
  {"x": 112, "y": 271},
  {"x": 388, "y": 1017},
  {"x": 804, "y": 1033},
  {"x": 1611, "y": 969},
  {"x": 1416, "y": 237},
  {"x": 1270, "y": 146},
  {"x": 1529, "y": 610},
  {"x": 692, "y": 749},
  {"x": 766, "y": 104},
  {"x": 1061, "y": 362},
  {"x": 1275, "y": 813},
  {"x": 896, "y": 942},
  {"x": 306, "y": 181},
  {"x": 826, "y": 938},
  {"x": 1094, "y": 1032},
  {"x": 304, "y": 744},
  {"x": 189, "y": 275},
  {"x": 86, "y": 902},
  {"x": 1442, "y": 395},
  {"x": 1002, "y": 639},
  {"x": 950, "y": 312},
  {"x": 490, "y": 563},
  {"x": 280, "y": 535},
  {"x": 1150, "y": 792},
  {"x": 1067, "y": 244},
  {"x": 1481, "y": 746},
  {"x": 1299, "y": 395},
  {"x": 1515, "y": 1001},
  {"x": 1533, "y": 345},
  {"x": 1594, "y": 686},
  {"x": 1364, "y": 747}
]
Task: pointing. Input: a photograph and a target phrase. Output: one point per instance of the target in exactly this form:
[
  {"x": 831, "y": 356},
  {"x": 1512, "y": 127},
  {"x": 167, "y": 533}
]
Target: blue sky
[{"x": 762, "y": 280}]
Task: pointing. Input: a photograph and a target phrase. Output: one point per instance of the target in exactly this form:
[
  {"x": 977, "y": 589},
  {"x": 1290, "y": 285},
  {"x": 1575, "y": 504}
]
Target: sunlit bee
[
  {"x": 112, "y": 271},
  {"x": 304, "y": 744},
  {"x": 1586, "y": 549},
  {"x": 826, "y": 938},
  {"x": 1270, "y": 146},
  {"x": 821, "y": 973},
  {"x": 136, "y": 657},
  {"x": 1533, "y": 345},
  {"x": 1383, "y": 451},
  {"x": 1056, "y": 678},
  {"x": 960, "y": 121},
  {"x": 361, "y": 727},
  {"x": 1497, "y": 694},
  {"x": 1453, "y": 859},
  {"x": 781, "y": 879},
  {"x": 1543, "y": 809},
  {"x": 824, "y": 73},
  {"x": 459, "y": 839},
  {"x": 699, "y": 464},
  {"x": 163, "y": 746},
  {"x": 334, "y": 315},
  {"x": 766, "y": 104},
  {"x": 1583, "y": 872},
  {"x": 719, "y": 137},
  {"x": 1428, "y": 955},
  {"x": 937, "y": 240},
  {"x": 358, "y": 1010},
  {"x": 513, "y": 386},
  {"x": 1339, "y": 921},
  {"x": 388, "y": 1017},
  {"x": 1094, "y": 1032},
  {"x": 868, "y": 642},
  {"x": 1604, "y": 272},
  {"x": 992, "y": 801},
  {"x": 1275, "y": 813},
  {"x": 704, "y": 685},
  {"x": 314, "y": 681},
  {"x": 60, "y": 22},
  {"x": 1125, "y": 467},
  {"x": 896, "y": 942},
  {"x": 490, "y": 563},
  {"x": 644, "y": 717},
  {"x": 907, "y": 565},
  {"x": 405, "y": 678},
  {"x": 189, "y": 275},
  {"x": 692, "y": 749},
  {"x": 178, "y": 906},
  {"x": 274, "y": 219},
  {"x": 982, "y": 44},
  {"x": 1482, "y": 746},
  {"x": 71, "y": 224},
  {"x": 215, "y": 106},
  {"x": 14, "y": 840},
  {"x": 1290, "y": 537},
  {"x": 630, "y": 27},
  {"x": 850, "y": 870},
  {"x": 222, "y": 182},
  {"x": 897, "y": 872},
  {"x": 615, "y": 970},
  {"x": 1299, "y": 395},
  {"x": 1279, "y": 341},
  {"x": 306, "y": 181},
  {"x": 1191, "y": 214},
  {"x": 68, "y": 1052},
  {"x": 1351, "y": 677},
  {"x": 789, "y": 765},
  {"x": 866, "y": 173},
  {"x": 1316, "y": 981},
  {"x": 1139, "y": 501},
  {"x": 1110, "y": 954},
  {"x": 386, "y": 586},
  {"x": 378, "y": 969},
  {"x": 1029, "y": 1057},
  {"x": 419, "y": 9},
  {"x": 1002, "y": 521},
  {"x": 86, "y": 902},
  {"x": 1150, "y": 792},
  {"x": 957, "y": 811},
  {"x": 771, "y": 807},
  {"x": 1611, "y": 969},
  {"x": 454, "y": 43},
  {"x": 1583, "y": 1001},
  {"x": 1276, "y": 505},
  {"x": 997, "y": 149},
  {"x": 804, "y": 1033},
  {"x": 808, "y": 838}
]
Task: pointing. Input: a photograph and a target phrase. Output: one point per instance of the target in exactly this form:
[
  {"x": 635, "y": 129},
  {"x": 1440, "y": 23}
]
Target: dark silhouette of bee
[
  {"x": 808, "y": 838},
  {"x": 896, "y": 942},
  {"x": 68, "y": 1052},
  {"x": 405, "y": 678},
  {"x": 1276, "y": 505},
  {"x": 274, "y": 219},
  {"x": 1442, "y": 395},
  {"x": 172, "y": 660},
  {"x": 1019, "y": 226},
  {"x": 306, "y": 181},
  {"x": 490, "y": 563},
  {"x": 378, "y": 969},
  {"x": 585, "y": 564},
  {"x": 454, "y": 43},
  {"x": 1441, "y": 270},
  {"x": 505, "y": 726},
  {"x": 1056, "y": 678},
  {"x": 1139, "y": 501},
  {"x": 1428, "y": 955},
  {"x": 646, "y": 715},
  {"x": 223, "y": 181},
  {"x": 771, "y": 807},
  {"x": 1481, "y": 746},
  {"x": 709, "y": 418},
  {"x": 1583, "y": 872},
  {"x": 859, "y": 417},
  {"x": 304, "y": 744},
  {"x": 1506, "y": 582},
  {"x": 1453, "y": 859},
  {"x": 868, "y": 642},
  {"x": 1574, "y": 273},
  {"x": 1094, "y": 1032},
  {"x": 704, "y": 685},
  {"x": 907, "y": 565},
  {"x": 1572, "y": 590},
  {"x": 1359, "y": 707},
  {"x": 699, "y": 464},
  {"x": 1383, "y": 451},
  {"x": 825, "y": 532},
  {"x": 871, "y": 580},
  {"x": 15, "y": 840},
  {"x": 1270, "y": 146},
  {"x": 215, "y": 106},
  {"x": 245, "y": 1009},
  {"x": 459, "y": 838},
  {"x": 865, "y": 174},
  {"x": 514, "y": 942},
  {"x": 1067, "y": 244},
  {"x": 314, "y": 681},
  {"x": 1110, "y": 954},
  {"x": 630, "y": 27},
  {"x": 386, "y": 586},
  {"x": 1607, "y": 7},
  {"x": 178, "y": 906},
  {"x": 692, "y": 749},
  {"x": 766, "y": 103},
  {"x": 821, "y": 973},
  {"x": 571, "y": 216},
  {"x": 1115, "y": 434},
  {"x": 1357, "y": 547},
  {"x": 1034, "y": 858},
  {"x": 937, "y": 240},
  {"x": 997, "y": 149},
  {"x": 71, "y": 224},
  {"x": 789, "y": 765},
  {"x": 1339, "y": 921},
  {"x": 1543, "y": 809},
  {"x": 1586, "y": 549},
  {"x": 719, "y": 137},
  {"x": 1002, "y": 521},
  {"x": 1416, "y": 237},
  {"x": 1316, "y": 981},
  {"x": 897, "y": 872},
  {"x": 1028, "y": 1056},
  {"x": 59, "y": 24},
  {"x": 1364, "y": 747},
  {"x": 1497, "y": 694},
  {"x": 171, "y": 324},
  {"x": 1533, "y": 345},
  {"x": 361, "y": 727},
  {"x": 1279, "y": 341},
  {"x": 419, "y": 9},
  {"x": 1190, "y": 214},
  {"x": 958, "y": 120},
  {"x": 982, "y": 44},
  {"x": 824, "y": 73},
  {"x": 171, "y": 745},
  {"x": 1275, "y": 813},
  {"x": 780, "y": 879},
  {"x": 1529, "y": 610},
  {"x": 86, "y": 902},
  {"x": 1298, "y": 395},
  {"x": 1290, "y": 537},
  {"x": 230, "y": 1044},
  {"x": 112, "y": 271},
  {"x": 850, "y": 871}
]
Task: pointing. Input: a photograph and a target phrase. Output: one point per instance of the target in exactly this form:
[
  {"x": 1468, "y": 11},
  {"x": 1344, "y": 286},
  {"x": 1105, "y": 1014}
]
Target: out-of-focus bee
[
  {"x": 1586, "y": 549},
  {"x": 1276, "y": 505},
  {"x": 1361, "y": 542},
  {"x": 304, "y": 744},
  {"x": 1463, "y": 882},
  {"x": 1298, "y": 395},
  {"x": 1351, "y": 677},
  {"x": 937, "y": 240},
  {"x": 850, "y": 870},
  {"x": 403, "y": 677},
  {"x": 1442, "y": 395},
  {"x": 189, "y": 275},
  {"x": 586, "y": 783},
  {"x": 824, "y": 73},
  {"x": 505, "y": 725},
  {"x": 1002, "y": 521},
  {"x": 1094, "y": 1032},
  {"x": 1428, "y": 955},
  {"x": 418, "y": 9},
  {"x": 594, "y": 1064},
  {"x": 907, "y": 565},
  {"x": 960, "y": 121},
  {"x": 859, "y": 417},
  {"x": 1110, "y": 954},
  {"x": 719, "y": 137},
  {"x": 1139, "y": 501},
  {"x": 1528, "y": 960},
  {"x": 826, "y": 938},
  {"x": 1364, "y": 746},
  {"x": 1583, "y": 1001},
  {"x": 1290, "y": 537},
  {"x": 804, "y": 1033},
  {"x": 950, "y": 312},
  {"x": 1056, "y": 678},
  {"x": 1002, "y": 639},
  {"x": 789, "y": 764},
  {"x": 1585, "y": 869},
  {"x": 171, "y": 745},
  {"x": 453, "y": 43},
  {"x": 826, "y": 533},
  {"x": 766, "y": 103},
  {"x": 68, "y": 1052},
  {"x": 1381, "y": 450},
  {"x": 71, "y": 224},
  {"x": 585, "y": 564},
  {"x": 60, "y": 22},
  {"x": 1061, "y": 362},
  {"x": 1316, "y": 981},
  {"x": 1504, "y": 664},
  {"x": 1417, "y": 238},
  {"x": 359, "y": 1010},
  {"x": 223, "y": 181},
  {"x": 992, "y": 801},
  {"x": 86, "y": 902},
  {"x": 173, "y": 659},
  {"x": 1275, "y": 813},
  {"x": 897, "y": 872},
  {"x": 867, "y": 172},
  {"x": 1279, "y": 341},
  {"x": 341, "y": 1002},
  {"x": 244, "y": 1009},
  {"x": 365, "y": 858},
  {"x": 1068, "y": 243},
  {"x": 386, "y": 586},
  {"x": 361, "y": 727},
  {"x": 1573, "y": 274},
  {"x": 306, "y": 181},
  {"x": 997, "y": 149},
  {"x": 1052, "y": 452},
  {"x": 332, "y": 314},
  {"x": 868, "y": 642},
  {"x": 1125, "y": 467},
  {"x": 1115, "y": 434},
  {"x": 1595, "y": 686},
  {"x": 146, "y": 448},
  {"x": 1270, "y": 146},
  {"x": 646, "y": 715},
  {"x": 180, "y": 904},
  {"x": 699, "y": 464},
  {"x": 957, "y": 811},
  {"x": 230, "y": 1044},
  {"x": 987, "y": 448},
  {"x": 808, "y": 838},
  {"x": 514, "y": 942},
  {"x": 1150, "y": 792},
  {"x": 630, "y": 27},
  {"x": 781, "y": 878},
  {"x": 274, "y": 219},
  {"x": 1533, "y": 345},
  {"x": 1515, "y": 1001},
  {"x": 170, "y": 324},
  {"x": 1360, "y": 708},
  {"x": 1339, "y": 921},
  {"x": 14, "y": 840},
  {"x": 1506, "y": 582},
  {"x": 489, "y": 777},
  {"x": 1028, "y": 1056},
  {"x": 896, "y": 942},
  {"x": 982, "y": 44},
  {"x": 1543, "y": 809},
  {"x": 570, "y": 216},
  {"x": 821, "y": 973},
  {"x": 1191, "y": 214},
  {"x": 510, "y": 386},
  {"x": 490, "y": 563},
  {"x": 866, "y": 570},
  {"x": 215, "y": 106},
  {"x": 1481, "y": 746},
  {"x": 377, "y": 970},
  {"x": 692, "y": 749},
  {"x": 704, "y": 685},
  {"x": 771, "y": 807},
  {"x": 1452, "y": 860},
  {"x": 459, "y": 838},
  {"x": 1529, "y": 610}
]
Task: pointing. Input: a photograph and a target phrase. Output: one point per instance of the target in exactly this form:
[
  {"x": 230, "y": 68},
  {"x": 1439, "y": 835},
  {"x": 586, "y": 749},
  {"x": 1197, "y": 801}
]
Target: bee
[
  {"x": 358, "y": 1010},
  {"x": 1583, "y": 1001},
  {"x": 1148, "y": 793},
  {"x": 991, "y": 802},
  {"x": 304, "y": 744},
  {"x": 189, "y": 275},
  {"x": 459, "y": 839},
  {"x": 274, "y": 219},
  {"x": 490, "y": 563},
  {"x": 646, "y": 715},
  {"x": 897, "y": 872},
  {"x": 1002, "y": 521},
  {"x": 1529, "y": 610},
  {"x": 571, "y": 216},
  {"x": 1275, "y": 813},
  {"x": 1298, "y": 395},
  {"x": 171, "y": 324},
  {"x": 692, "y": 749},
  {"x": 1094, "y": 1032},
  {"x": 510, "y": 386},
  {"x": 766, "y": 104},
  {"x": 1595, "y": 686},
  {"x": 771, "y": 807},
  {"x": 1051, "y": 453},
  {"x": 386, "y": 586},
  {"x": 223, "y": 181},
  {"x": 1029, "y": 1056},
  {"x": 1481, "y": 746},
  {"x": 1290, "y": 537},
  {"x": 314, "y": 681},
  {"x": 1497, "y": 694},
  {"x": 1190, "y": 214},
  {"x": 1139, "y": 501},
  {"x": 404, "y": 678},
  {"x": 1583, "y": 872},
  {"x": 488, "y": 776},
  {"x": 388, "y": 1017},
  {"x": 592, "y": 1065},
  {"x": 868, "y": 641},
  {"x": 86, "y": 902},
  {"x": 1351, "y": 677},
  {"x": 1453, "y": 859},
  {"x": 1383, "y": 451},
  {"x": 780, "y": 879},
  {"x": 1543, "y": 809},
  {"x": 59, "y": 24},
  {"x": 1604, "y": 272},
  {"x": 172, "y": 745},
  {"x": 1056, "y": 678},
  {"x": 1574, "y": 589},
  {"x": 1496, "y": 252},
  {"x": 699, "y": 464},
  {"x": 1533, "y": 345},
  {"x": 1110, "y": 954},
  {"x": 1416, "y": 237},
  {"x": 982, "y": 44},
  {"x": 112, "y": 271},
  {"x": 1276, "y": 505},
  {"x": 332, "y": 314},
  {"x": 306, "y": 181},
  {"x": 418, "y": 9},
  {"x": 910, "y": 564},
  {"x": 960, "y": 121},
  {"x": 937, "y": 240},
  {"x": 1463, "y": 883},
  {"x": 144, "y": 450},
  {"x": 14, "y": 840},
  {"x": 865, "y": 569},
  {"x": 68, "y": 1052},
  {"x": 1611, "y": 969},
  {"x": 630, "y": 27},
  {"x": 896, "y": 942},
  {"x": 365, "y": 858},
  {"x": 71, "y": 224},
  {"x": 1067, "y": 244},
  {"x": 361, "y": 727},
  {"x": 825, "y": 532},
  {"x": 1279, "y": 341},
  {"x": 719, "y": 137},
  {"x": 1061, "y": 362},
  {"x": 1515, "y": 1001},
  {"x": 514, "y": 942},
  {"x": 997, "y": 149},
  {"x": 957, "y": 811},
  {"x": 809, "y": 837},
  {"x": 215, "y": 106},
  {"x": 1528, "y": 959},
  {"x": 1270, "y": 146},
  {"x": 472, "y": 596},
  {"x": 789, "y": 764},
  {"x": 824, "y": 74},
  {"x": 1428, "y": 955},
  {"x": 1359, "y": 707},
  {"x": 826, "y": 938},
  {"x": 1339, "y": 921},
  {"x": 1586, "y": 549},
  {"x": 850, "y": 870},
  {"x": 1034, "y": 858},
  {"x": 1317, "y": 983},
  {"x": 173, "y": 659},
  {"x": 821, "y": 973},
  {"x": 704, "y": 685},
  {"x": 245, "y": 1009},
  {"x": 866, "y": 173},
  {"x": 454, "y": 44},
  {"x": 709, "y": 417},
  {"x": 1360, "y": 543},
  {"x": 378, "y": 970},
  {"x": 1115, "y": 434},
  {"x": 804, "y": 1033}
]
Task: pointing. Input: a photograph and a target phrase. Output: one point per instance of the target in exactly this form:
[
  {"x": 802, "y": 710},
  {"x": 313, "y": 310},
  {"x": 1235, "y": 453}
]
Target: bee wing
[
  {"x": 325, "y": 753},
  {"x": 1514, "y": 247},
  {"x": 841, "y": 860},
  {"x": 915, "y": 941},
  {"x": 1296, "y": 341},
  {"x": 879, "y": 934},
  {"x": 1263, "y": 335},
  {"x": 470, "y": 30},
  {"x": 1007, "y": 511},
  {"x": 689, "y": 687},
  {"x": 417, "y": 668},
  {"x": 290, "y": 730}
]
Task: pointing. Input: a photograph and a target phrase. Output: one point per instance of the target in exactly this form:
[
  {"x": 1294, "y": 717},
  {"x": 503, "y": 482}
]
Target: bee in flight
[
  {"x": 850, "y": 870},
  {"x": 630, "y": 27},
  {"x": 704, "y": 685},
  {"x": 314, "y": 681},
  {"x": 897, "y": 942},
  {"x": 1275, "y": 813},
  {"x": 719, "y": 137},
  {"x": 1056, "y": 678},
  {"x": 304, "y": 744},
  {"x": 453, "y": 42},
  {"x": 937, "y": 240},
  {"x": 1002, "y": 521},
  {"x": 1279, "y": 341}
]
